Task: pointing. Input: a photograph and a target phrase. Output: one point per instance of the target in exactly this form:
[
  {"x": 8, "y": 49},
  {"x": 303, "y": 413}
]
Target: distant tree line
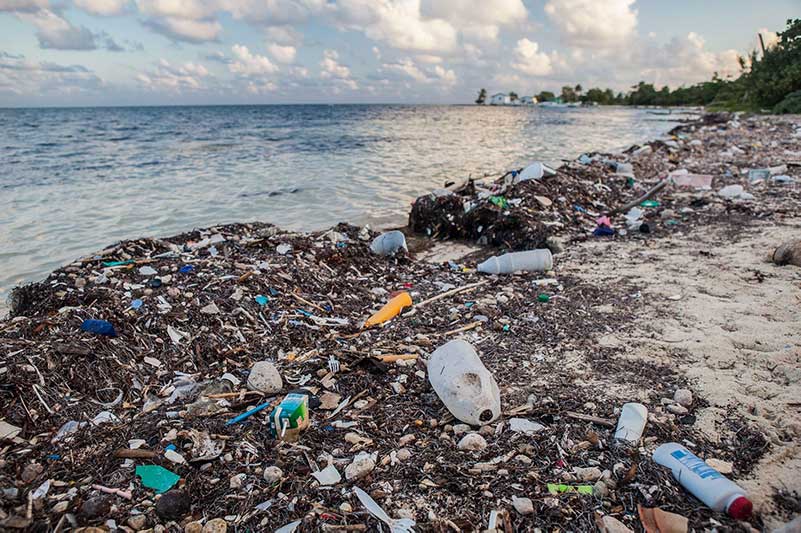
[{"x": 771, "y": 82}]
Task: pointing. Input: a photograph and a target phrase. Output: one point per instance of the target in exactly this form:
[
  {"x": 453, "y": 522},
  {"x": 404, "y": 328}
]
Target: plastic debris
[
  {"x": 390, "y": 310},
  {"x": 389, "y": 243},
  {"x": 530, "y": 261},
  {"x": 404, "y": 525},
  {"x": 100, "y": 327},
  {"x": 157, "y": 478}
]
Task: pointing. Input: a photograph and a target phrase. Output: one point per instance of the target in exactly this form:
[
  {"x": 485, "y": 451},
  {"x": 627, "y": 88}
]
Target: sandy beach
[{"x": 685, "y": 298}]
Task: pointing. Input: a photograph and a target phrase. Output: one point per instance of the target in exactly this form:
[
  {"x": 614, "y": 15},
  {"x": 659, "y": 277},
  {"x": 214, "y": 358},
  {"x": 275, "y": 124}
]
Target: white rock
[
  {"x": 175, "y": 457},
  {"x": 328, "y": 476},
  {"x": 264, "y": 377},
  {"x": 677, "y": 409},
  {"x": 592, "y": 473},
  {"x": 283, "y": 249},
  {"x": 460, "y": 429},
  {"x": 472, "y": 442},
  {"x": 404, "y": 454},
  {"x": 236, "y": 481},
  {"x": 523, "y": 505},
  {"x": 362, "y": 464},
  {"x": 683, "y": 397},
  {"x": 210, "y": 309},
  {"x": 521, "y": 425},
  {"x": 148, "y": 271},
  {"x": 273, "y": 474}
]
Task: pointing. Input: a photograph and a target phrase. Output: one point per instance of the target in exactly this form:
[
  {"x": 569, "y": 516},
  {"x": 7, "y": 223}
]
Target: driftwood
[
  {"x": 655, "y": 189},
  {"x": 589, "y": 418}
]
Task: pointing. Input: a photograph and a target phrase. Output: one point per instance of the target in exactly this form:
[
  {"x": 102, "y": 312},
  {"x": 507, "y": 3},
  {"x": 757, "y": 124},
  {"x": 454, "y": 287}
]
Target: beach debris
[
  {"x": 157, "y": 478},
  {"x": 464, "y": 384},
  {"x": 558, "y": 488},
  {"x": 472, "y": 442},
  {"x": 735, "y": 192},
  {"x": 534, "y": 171},
  {"x": 264, "y": 377},
  {"x": 328, "y": 476},
  {"x": 523, "y": 506},
  {"x": 100, "y": 327},
  {"x": 788, "y": 253},
  {"x": 529, "y": 261},
  {"x": 173, "y": 505},
  {"x": 390, "y": 310},
  {"x": 656, "y": 520},
  {"x": 290, "y": 417},
  {"x": 389, "y": 243},
  {"x": 403, "y": 525},
  {"x": 703, "y": 481},
  {"x": 522, "y": 425},
  {"x": 361, "y": 466},
  {"x": 683, "y": 397},
  {"x": 630, "y": 425},
  {"x": 610, "y": 524}
]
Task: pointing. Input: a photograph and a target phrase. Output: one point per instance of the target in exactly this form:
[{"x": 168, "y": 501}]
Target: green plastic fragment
[
  {"x": 629, "y": 182},
  {"x": 118, "y": 263},
  {"x": 500, "y": 201},
  {"x": 554, "y": 488},
  {"x": 650, "y": 203},
  {"x": 157, "y": 478},
  {"x": 544, "y": 298}
]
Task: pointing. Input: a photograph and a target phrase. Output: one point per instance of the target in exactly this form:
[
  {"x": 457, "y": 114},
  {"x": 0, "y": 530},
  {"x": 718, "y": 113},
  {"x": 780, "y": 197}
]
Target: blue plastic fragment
[
  {"x": 136, "y": 304},
  {"x": 261, "y": 299},
  {"x": 328, "y": 308},
  {"x": 186, "y": 269},
  {"x": 170, "y": 447},
  {"x": 248, "y": 414},
  {"x": 100, "y": 327},
  {"x": 304, "y": 312},
  {"x": 273, "y": 292}
]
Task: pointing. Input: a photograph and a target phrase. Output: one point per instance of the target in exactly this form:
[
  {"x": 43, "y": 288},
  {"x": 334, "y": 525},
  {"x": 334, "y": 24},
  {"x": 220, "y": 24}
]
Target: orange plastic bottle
[{"x": 390, "y": 310}]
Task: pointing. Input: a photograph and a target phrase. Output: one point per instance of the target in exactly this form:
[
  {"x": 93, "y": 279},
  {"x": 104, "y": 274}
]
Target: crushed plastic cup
[
  {"x": 631, "y": 423},
  {"x": 534, "y": 171},
  {"x": 390, "y": 310},
  {"x": 464, "y": 384},
  {"x": 99, "y": 327},
  {"x": 389, "y": 243}
]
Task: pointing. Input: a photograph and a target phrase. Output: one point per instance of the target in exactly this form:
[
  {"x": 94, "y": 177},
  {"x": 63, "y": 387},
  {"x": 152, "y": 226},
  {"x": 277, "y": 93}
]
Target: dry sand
[{"x": 717, "y": 311}]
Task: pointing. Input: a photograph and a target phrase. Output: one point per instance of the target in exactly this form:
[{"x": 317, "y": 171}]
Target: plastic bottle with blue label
[{"x": 703, "y": 481}]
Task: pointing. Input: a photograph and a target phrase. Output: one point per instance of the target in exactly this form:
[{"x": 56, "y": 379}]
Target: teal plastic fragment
[{"x": 157, "y": 478}]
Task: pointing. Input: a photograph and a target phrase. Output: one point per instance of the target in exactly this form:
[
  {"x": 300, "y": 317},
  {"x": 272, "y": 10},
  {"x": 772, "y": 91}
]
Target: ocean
[{"x": 75, "y": 180}]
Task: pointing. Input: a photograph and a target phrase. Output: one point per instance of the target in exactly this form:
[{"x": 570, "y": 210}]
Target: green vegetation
[
  {"x": 770, "y": 81},
  {"x": 482, "y": 96}
]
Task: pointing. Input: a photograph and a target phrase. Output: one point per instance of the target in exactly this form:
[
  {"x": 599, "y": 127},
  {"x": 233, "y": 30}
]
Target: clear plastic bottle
[
  {"x": 529, "y": 261},
  {"x": 631, "y": 423},
  {"x": 703, "y": 481},
  {"x": 464, "y": 384}
]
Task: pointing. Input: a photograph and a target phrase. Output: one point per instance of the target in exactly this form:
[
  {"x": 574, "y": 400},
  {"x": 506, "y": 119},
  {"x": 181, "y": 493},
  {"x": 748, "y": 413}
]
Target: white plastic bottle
[
  {"x": 388, "y": 243},
  {"x": 530, "y": 261},
  {"x": 464, "y": 384},
  {"x": 703, "y": 481},
  {"x": 631, "y": 423}
]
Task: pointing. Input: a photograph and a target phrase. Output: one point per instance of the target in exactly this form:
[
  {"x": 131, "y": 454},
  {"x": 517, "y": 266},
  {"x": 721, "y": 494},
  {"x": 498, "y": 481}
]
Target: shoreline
[{"x": 571, "y": 354}]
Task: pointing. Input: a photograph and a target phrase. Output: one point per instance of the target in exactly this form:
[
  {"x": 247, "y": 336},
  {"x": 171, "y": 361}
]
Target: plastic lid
[{"x": 740, "y": 508}]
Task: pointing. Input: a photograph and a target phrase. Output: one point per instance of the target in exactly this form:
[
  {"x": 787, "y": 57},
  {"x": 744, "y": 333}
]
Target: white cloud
[
  {"x": 273, "y": 12},
  {"x": 684, "y": 60},
  {"x": 770, "y": 38},
  {"x": 286, "y": 35},
  {"x": 174, "y": 78},
  {"x": 282, "y": 54},
  {"x": 250, "y": 64},
  {"x": 408, "y": 68},
  {"x": 445, "y": 75},
  {"x": 594, "y": 23},
  {"x": 183, "y": 9},
  {"x": 529, "y": 60},
  {"x": 332, "y": 70},
  {"x": 103, "y": 8},
  {"x": 477, "y": 20},
  {"x": 398, "y": 23},
  {"x": 19, "y": 77},
  {"x": 23, "y": 5},
  {"x": 57, "y": 33},
  {"x": 428, "y": 58},
  {"x": 187, "y": 30}
]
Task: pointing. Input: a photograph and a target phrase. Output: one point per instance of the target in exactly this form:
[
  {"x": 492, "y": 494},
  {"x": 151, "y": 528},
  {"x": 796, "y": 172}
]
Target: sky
[{"x": 167, "y": 52}]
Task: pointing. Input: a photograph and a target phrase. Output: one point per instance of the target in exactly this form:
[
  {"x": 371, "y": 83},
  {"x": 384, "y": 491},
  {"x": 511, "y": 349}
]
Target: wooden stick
[
  {"x": 451, "y": 293},
  {"x": 655, "y": 189},
  {"x": 589, "y": 418},
  {"x": 125, "y": 453},
  {"x": 468, "y": 327},
  {"x": 307, "y": 302},
  {"x": 393, "y": 357}
]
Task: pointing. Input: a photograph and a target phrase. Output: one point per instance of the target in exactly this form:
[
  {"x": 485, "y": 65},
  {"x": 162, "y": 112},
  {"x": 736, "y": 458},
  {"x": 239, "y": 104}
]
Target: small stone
[
  {"x": 96, "y": 507},
  {"x": 523, "y": 505},
  {"x": 362, "y": 465},
  {"x": 724, "y": 467},
  {"x": 406, "y": 439},
  {"x": 683, "y": 397},
  {"x": 80, "y": 283},
  {"x": 273, "y": 474},
  {"x": 60, "y": 507},
  {"x": 173, "y": 505},
  {"x": 236, "y": 481},
  {"x": 264, "y": 377},
  {"x": 216, "y": 525},
  {"x": 137, "y": 522},
  {"x": 193, "y": 527},
  {"x": 31, "y": 472},
  {"x": 404, "y": 454},
  {"x": 345, "y": 507},
  {"x": 592, "y": 473},
  {"x": 677, "y": 409},
  {"x": 600, "y": 490},
  {"x": 460, "y": 429},
  {"x": 487, "y": 431},
  {"x": 525, "y": 459},
  {"x": 472, "y": 442}
]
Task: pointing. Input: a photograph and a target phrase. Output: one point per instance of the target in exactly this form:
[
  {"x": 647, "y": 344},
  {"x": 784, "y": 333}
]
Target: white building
[
  {"x": 499, "y": 99},
  {"x": 528, "y": 100}
]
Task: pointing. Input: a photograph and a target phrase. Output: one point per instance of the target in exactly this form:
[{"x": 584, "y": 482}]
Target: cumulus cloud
[
  {"x": 23, "y": 5},
  {"x": 770, "y": 38},
  {"x": 684, "y": 60},
  {"x": 174, "y": 78},
  {"x": 286, "y": 35},
  {"x": 282, "y": 54},
  {"x": 273, "y": 12},
  {"x": 477, "y": 20},
  {"x": 191, "y": 21},
  {"x": 247, "y": 63},
  {"x": 399, "y": 23},
  {"x": 330, "y": 69},
  {"x": 20, "y": 77},
  {"x": 408, "y": 68},
  {"x": 596, "y": 23},
  {"x": 57, "y": 33},
  {"x": 529, "y": 60},
  {"x": 102, "y": 8}
]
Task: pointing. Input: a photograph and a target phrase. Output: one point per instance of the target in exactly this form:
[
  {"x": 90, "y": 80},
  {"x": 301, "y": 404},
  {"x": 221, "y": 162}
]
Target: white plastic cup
[
  {"x": 529, "y": 261},
  {"x": 631, "y": 423},
  {"x": 704, "y": 482},
  {"x": 464, "y": 384},
  {"x": 388, "y": 243}
]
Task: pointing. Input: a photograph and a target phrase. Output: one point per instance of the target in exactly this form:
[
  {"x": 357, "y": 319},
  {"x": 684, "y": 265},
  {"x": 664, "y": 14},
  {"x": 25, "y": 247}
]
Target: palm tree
[
  {"x": 512, "y": 96},
  {"x": 482, "y": 96}
]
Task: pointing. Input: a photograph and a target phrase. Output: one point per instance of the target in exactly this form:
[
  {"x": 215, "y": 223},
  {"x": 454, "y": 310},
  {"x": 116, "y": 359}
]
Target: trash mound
[
  {"x": 721, "y": 168},
  {"x": 222, "y": 379}
]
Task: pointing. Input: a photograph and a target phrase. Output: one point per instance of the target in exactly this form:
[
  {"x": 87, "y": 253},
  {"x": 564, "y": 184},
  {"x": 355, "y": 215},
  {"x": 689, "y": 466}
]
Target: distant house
[
  {"x": 528, "y": 100},
  {"x": 499, "y": 99}
]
